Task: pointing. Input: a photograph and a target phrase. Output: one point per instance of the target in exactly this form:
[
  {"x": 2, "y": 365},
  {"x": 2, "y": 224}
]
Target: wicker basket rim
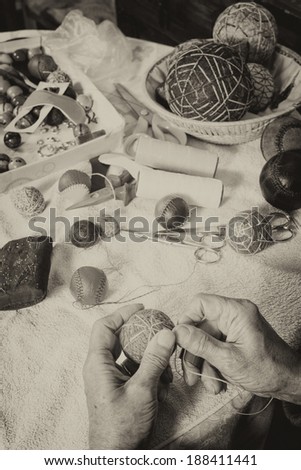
[{"x": 286, "y": 51}]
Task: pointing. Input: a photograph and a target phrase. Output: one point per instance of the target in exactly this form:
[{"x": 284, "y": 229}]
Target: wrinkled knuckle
[
  {"x": 200, "y": 344},
  {"x": 156, "y": 360}
]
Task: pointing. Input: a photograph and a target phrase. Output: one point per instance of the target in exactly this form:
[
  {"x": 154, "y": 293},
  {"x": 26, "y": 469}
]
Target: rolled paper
[
  {"x": 169, "y": 156},
  {"x": 195, "y": 190}
]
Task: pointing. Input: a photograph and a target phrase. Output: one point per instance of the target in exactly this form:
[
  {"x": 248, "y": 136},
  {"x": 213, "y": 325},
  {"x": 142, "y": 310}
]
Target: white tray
[{"x": 37, "y": 167}]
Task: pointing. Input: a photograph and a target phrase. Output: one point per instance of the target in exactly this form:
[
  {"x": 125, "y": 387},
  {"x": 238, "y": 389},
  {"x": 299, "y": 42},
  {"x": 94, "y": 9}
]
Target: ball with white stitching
[{"x": 89, "y": 285}]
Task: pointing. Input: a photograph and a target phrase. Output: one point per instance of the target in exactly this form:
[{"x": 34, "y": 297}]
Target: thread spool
[
  {"x": 249, "y": 232},
  {"x": 28, "y": 201},
  {"x": 280, "y": 180},
  {"x": 84, "y": 234},
  {"x": 137, "y": 332},
  {"x": 89, "y": 286},
  {"x": 169, "y": 156},
  {"x": 171, "y": 211}
]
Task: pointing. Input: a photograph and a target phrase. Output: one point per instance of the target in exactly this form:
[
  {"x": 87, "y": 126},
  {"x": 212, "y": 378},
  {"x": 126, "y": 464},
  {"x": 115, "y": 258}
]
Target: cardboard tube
[
  {"x": 169, "y": 156},
  {"x": 195, "y": 190}
]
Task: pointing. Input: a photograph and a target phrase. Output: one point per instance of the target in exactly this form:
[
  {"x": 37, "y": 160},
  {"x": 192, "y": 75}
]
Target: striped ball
[
  {"x": 249, "y": 232},
  {"x": 248, "y": 22},
  {"x": 209, "y": 82},
  {"x": 137, "y": 332}
]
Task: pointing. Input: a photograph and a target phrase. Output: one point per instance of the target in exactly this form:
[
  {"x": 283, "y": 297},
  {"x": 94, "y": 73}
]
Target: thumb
[
  {"x": 201, "y": 344},
  {"x": 156, "y": 358}
]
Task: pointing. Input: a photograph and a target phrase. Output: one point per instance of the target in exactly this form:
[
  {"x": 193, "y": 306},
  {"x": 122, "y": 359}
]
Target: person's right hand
[{"x": 251, "y": 354}]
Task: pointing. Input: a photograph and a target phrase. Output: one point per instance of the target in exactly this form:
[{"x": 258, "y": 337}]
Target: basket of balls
[{"x": 228, "y": 88}]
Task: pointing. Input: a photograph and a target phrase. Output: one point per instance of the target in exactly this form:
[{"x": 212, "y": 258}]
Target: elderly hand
[
  {"x": 248, "y": 352},
  {"x": 122, "y": 408}
]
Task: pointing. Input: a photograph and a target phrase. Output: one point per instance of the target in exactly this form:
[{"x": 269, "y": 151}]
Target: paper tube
[
  {"x": 196, "y": 190},
  {"x": 170, "y": 156}
]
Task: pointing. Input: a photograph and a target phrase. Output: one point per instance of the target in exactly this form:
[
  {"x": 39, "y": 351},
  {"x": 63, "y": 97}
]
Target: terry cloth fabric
[{"x": 44, "y": 347}]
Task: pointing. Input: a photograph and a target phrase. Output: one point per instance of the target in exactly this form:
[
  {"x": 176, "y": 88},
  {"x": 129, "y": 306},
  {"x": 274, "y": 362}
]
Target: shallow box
[{"x": 37, "y": 167}]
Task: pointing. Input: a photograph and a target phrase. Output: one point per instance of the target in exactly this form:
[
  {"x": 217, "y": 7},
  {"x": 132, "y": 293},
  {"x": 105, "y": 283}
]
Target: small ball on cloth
[
  {"x": 137, "y": 332},
  {"x": 280, "y": 180},
  {"x": 72, "y": 177},
  {"x": 249, "y": 232},
  {"x": 84, "y": 234},
  {"x": 28, "y": 201},
  {"x": 171, "y": 211},
  {"x": 209, "y": 82},
  {"x": 251, "y": 23},
  {"x": 89, "y": 285},
  {"x": 263, "y": 87}
]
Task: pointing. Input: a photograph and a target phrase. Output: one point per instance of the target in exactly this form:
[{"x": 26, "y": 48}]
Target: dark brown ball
[
  {"x": 280, "y": 180},
  {"x": 84, "y": 234},
  {"x": 55, "y": 117},
  {"x": 41, "y": 65}
]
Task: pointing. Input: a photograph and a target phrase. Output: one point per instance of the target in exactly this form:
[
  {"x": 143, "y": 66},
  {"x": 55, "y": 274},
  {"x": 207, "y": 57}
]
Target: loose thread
[
  {"x": 240, "y": 389},
  {"x": 108, "y": 181}
]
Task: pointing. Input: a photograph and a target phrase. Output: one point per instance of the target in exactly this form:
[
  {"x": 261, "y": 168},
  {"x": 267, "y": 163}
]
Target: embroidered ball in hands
[
  {"x": 209, "y": 82},
  {"x": 137, "y": 332}
]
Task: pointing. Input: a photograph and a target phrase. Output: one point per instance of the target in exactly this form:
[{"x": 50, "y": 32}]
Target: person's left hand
[{"x": 122, "y": 408}]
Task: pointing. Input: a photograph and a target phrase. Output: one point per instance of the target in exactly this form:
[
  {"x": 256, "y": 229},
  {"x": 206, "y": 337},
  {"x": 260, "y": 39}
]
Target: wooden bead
[
  {"x": 12, "y": 140},
  {"x": 6, "y": 118},
  {"x": 41, "y": 65},
  {"x": 5, "y": 58},
  {"x": 20, "y": 55},
  {"x": 137, "y": 332},
  {"x": 14, "y": 91},
  {"x": 4, "y": 85}
]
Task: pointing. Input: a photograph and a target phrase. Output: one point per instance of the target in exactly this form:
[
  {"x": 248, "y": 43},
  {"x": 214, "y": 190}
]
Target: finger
[
  {"x": 155, "y": 359},
  {"x": 162, "y": 391},
  {"x": 103, "y": 338},
  {"x": 201, "y": 344},
  {"x": 211, "y": 379},
  {"x": 218, "y": 310}
]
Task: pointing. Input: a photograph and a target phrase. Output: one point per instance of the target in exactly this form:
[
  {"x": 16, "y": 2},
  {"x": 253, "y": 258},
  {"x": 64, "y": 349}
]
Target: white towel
[{"x": 44, "y": 347}]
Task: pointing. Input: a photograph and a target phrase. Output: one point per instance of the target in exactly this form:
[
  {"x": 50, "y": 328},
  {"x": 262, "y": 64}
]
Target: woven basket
[{"x": 286, "y": 71}]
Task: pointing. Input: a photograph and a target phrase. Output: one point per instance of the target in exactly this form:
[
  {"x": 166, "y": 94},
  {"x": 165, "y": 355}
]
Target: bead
[
  {"x": 81, "y": 129},
  {"x": 20, "y": 55},
  {"x": 41, "y": 65},
  {"x": 3, "y": 166},
  {"x": 26, "y": 121},
  {"x": 5, "y": 58},
  {"x": 85, "y": 101},
  {"x": 6, "y": 118},
  {"x": 34, "y": 51},
  {"x": 16, "y": 162},
  {"x": 4, "y": 158},
  {"x": 17, "y": 110},
  {"x": 6, "y": 107},
  {"x": 58, "y": 76},
  {"x": 36, "y": 110},
  {"x": 18, "y": 100},
  {"x": 12, "y": 140},
  {"x": 55, "y": 117},
  {"x": 14, "y": 91},
  {"x": 4, "y": 85},
  {"x": 47, "y": 150}
]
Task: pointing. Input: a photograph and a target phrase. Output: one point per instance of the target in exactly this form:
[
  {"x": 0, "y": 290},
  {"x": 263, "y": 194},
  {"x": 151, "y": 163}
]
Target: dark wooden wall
[{"x": 174, "y": 21}]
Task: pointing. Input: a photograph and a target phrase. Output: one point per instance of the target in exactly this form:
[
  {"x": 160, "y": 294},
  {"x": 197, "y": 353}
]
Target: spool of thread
[
  {"x": 280, "y": 180},
  {"x": 195, "y": 190},
  {"x": 89, "y": 285},
  {"x": 28, "y": 201},
  {"x": 169, "y": 156},
  {"x": 84, "y": 234},
  {"x": 171, "y": 211},
  {"x": 137, "y": 332}
]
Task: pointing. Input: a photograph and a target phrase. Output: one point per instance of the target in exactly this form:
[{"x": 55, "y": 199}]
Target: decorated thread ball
[
  {"x": 28, "y": 201},
  {"x": 109, "y": 227},
  {"x": 249, "y": 232},
  {"x": 84, "y": 234},
  {"x": 209, "y": 82},
  {"x": 72, "y": 177},
  {"x": 251, "y": 23},
  {"x": 89, "y": 285},
  {"x": 183, "y": 47},
  {"x": 280, "y": 135},
  {"x": 171, "y": 211},
  {"x": 263, "y": 87},
  {"x": 280, "y": 180},
  {"x": 137, "y": 332}
]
